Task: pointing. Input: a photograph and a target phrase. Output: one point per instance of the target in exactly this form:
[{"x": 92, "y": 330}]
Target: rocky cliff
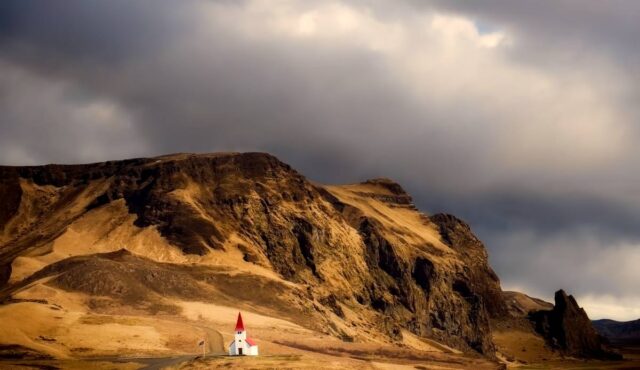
[
  {"x": 144, "y": 238},
  {"x": 358, "y": 250}
]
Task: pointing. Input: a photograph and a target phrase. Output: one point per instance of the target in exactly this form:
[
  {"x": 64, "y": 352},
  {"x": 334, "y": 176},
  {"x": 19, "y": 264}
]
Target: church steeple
[{"x": 239, "y": 324}]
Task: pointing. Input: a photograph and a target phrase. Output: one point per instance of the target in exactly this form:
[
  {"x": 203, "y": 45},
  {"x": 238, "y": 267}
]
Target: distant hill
[
  {"x": 520, "y": 304},
  {"x": 618, "y": 331}
]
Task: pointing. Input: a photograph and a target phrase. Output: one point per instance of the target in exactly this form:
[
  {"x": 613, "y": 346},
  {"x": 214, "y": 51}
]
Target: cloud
[
  {"x": 601, "y": 272},
  {"x": 59, "y": 122},
  {"x": 607, "y": 306},
  {"x": 516, "y": 116}
]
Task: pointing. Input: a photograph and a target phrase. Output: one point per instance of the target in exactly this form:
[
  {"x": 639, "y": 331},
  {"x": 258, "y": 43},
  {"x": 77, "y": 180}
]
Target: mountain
[
  {"x": 618, "y": 331},
  {"x": 145, "y": 256}
]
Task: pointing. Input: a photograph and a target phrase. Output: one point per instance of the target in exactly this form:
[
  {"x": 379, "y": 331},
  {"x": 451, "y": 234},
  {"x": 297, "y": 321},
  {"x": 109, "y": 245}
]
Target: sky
[{"x": 520, "y": 117}]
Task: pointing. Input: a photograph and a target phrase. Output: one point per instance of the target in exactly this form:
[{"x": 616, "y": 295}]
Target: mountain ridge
[
  {"x": 616, "y": 331},
  {"x": 358, "y": 262}
]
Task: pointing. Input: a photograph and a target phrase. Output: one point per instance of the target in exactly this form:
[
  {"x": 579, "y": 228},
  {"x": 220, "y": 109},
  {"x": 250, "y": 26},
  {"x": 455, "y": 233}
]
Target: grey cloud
[
  {"x": 546, "y": 212},
  {"x": 570, "y": 28},
  {"x": 587, "y": 245},
  {"x": 579, "y": 259},
  {"x": 59, "y": 122}
]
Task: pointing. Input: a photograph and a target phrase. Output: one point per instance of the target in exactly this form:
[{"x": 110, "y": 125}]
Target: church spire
[{"x": 239, "y": 324}]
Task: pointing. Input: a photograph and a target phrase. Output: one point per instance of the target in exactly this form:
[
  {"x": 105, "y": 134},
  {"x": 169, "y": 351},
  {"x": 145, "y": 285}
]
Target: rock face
[
  {"x": 568, "y": 328},
  {"x": 360, "y": 250},
  {"x": 484, "y": 282}
]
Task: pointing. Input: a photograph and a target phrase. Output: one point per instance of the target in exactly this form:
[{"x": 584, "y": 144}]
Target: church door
[{"x": 240, "y": 351}]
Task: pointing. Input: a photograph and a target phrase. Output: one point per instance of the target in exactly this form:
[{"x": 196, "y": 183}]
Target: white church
[{"x": 241, "y": 345}]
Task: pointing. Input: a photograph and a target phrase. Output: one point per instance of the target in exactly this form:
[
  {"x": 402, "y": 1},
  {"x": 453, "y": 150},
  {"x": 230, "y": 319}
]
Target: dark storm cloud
[
  {"x": 92, "y": 31},
  {"x": 519, "y": 117},
  {"x": 550, "y": 213},
  {"x": 587, "y": 245}
]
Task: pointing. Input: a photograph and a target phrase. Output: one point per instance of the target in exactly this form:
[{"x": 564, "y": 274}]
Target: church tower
[{"x": 241, "y": 345}]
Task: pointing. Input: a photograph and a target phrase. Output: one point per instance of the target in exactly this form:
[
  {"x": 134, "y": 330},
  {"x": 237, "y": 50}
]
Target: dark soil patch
[{"x": 18, "y": 352}]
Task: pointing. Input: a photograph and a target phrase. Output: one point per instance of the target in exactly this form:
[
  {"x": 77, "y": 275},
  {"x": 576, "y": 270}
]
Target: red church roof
[
  {"x": 250, "y": 341},
  {"x": 239, "y": 324}
]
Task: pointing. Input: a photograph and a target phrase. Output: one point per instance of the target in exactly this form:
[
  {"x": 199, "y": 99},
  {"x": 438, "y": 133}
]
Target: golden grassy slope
[
  {"x": 74, "y": 285},
  {"x": 72, "y": 324}
]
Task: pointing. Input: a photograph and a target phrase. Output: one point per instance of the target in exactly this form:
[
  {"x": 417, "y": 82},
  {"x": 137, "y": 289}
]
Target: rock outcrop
[{"x": 567, "y": 328}]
